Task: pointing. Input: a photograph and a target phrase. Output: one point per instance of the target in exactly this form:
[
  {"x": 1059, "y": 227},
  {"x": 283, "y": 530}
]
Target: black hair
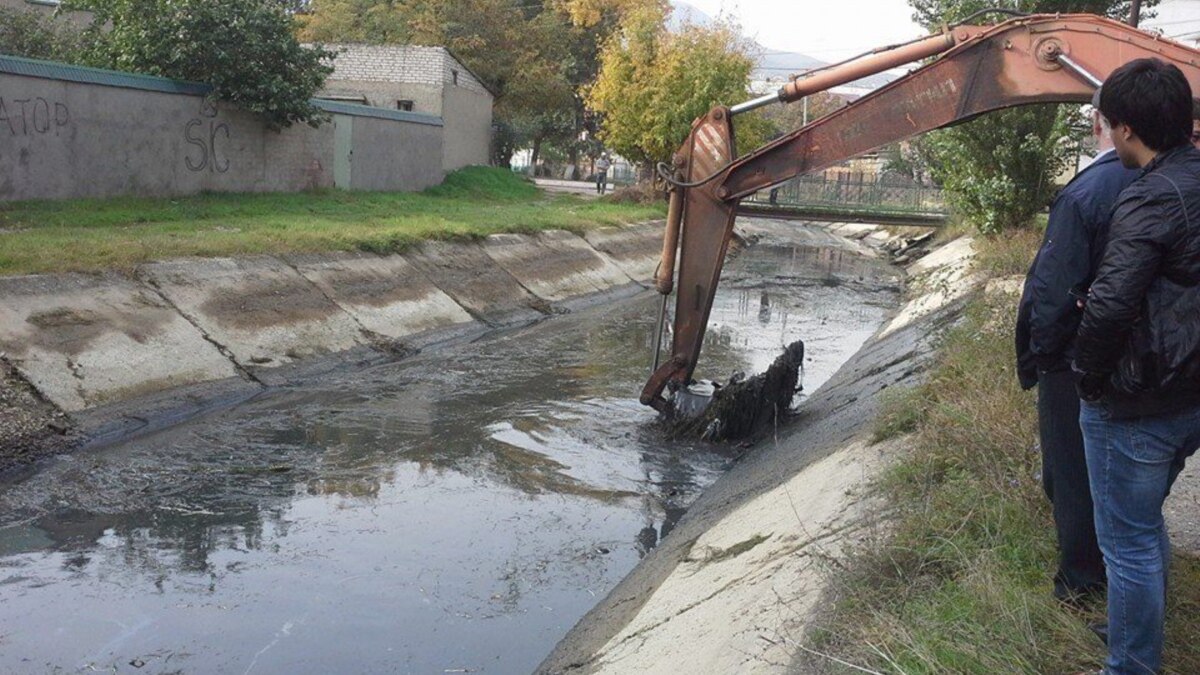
[
  {"x": 1153, "y": 98},
  {"x": 1196, "y": 108}
]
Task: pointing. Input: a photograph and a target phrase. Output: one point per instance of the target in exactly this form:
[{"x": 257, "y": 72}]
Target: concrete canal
[{"x": 457, "y": 511}]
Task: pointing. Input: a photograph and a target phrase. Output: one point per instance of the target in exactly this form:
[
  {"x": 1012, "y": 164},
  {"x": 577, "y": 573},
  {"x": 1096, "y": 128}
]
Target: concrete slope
[
  {"x": 387, "y": 295},
  {"x": 633, "y": 248},
  {"x": 554, "y": 265},
  {"x": 467, "y": 274},
  {"x": 84, "y": 340},
  {"x": 730, "y": 588},
  {"x": 260, "y": 309}
]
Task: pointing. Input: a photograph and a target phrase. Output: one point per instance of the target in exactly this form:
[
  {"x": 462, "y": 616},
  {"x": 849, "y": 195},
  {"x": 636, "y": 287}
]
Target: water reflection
[{"x": 460, "y": 509}]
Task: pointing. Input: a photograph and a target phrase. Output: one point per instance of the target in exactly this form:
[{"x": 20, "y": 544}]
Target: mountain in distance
[{"x": 774, "y": 67}]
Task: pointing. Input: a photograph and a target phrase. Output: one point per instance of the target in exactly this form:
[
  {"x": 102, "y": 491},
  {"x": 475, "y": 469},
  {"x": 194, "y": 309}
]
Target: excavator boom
[{"x": 976, "y": 70}]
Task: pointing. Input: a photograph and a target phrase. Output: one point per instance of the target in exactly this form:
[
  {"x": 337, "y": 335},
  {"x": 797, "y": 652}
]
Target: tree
[
  {"x": 999, "y": 169},
  {"x": 653, "y": 83},
  {"x": 38, "y": 36},
  {"x": 244, "y": 49}
]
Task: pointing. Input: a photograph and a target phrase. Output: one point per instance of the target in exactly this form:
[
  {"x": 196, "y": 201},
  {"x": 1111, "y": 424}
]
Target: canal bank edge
[
  {"x": 733, "y": 587},
  {"x": 180, "y": 335}
]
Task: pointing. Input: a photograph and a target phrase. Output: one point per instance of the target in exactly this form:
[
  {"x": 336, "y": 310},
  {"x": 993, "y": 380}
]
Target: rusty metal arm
[{"x": 981, "y": 69}]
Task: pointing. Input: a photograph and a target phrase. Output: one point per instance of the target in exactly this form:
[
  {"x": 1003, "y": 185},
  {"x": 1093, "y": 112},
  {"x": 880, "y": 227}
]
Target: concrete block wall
[{"x": 71, "y": 132}]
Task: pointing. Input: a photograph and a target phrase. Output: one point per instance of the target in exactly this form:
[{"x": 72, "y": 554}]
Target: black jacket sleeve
[
  {"x": 1140, "y": 237},
  {"x": 1063, "y": 263}
]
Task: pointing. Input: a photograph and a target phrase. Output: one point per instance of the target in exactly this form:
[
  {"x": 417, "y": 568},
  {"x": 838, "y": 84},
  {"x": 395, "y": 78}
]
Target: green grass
[
  {"x": 93, "y": 234},
  {"x": 960, "y": 582}
]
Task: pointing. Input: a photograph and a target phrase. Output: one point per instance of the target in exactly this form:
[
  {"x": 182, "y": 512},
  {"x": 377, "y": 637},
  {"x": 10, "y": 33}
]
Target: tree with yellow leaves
[{"x": 654, "y": 82}]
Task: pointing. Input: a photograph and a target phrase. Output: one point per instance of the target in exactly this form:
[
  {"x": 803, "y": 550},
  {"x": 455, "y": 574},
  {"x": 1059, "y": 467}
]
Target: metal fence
[{"x": 840, "y": 192}]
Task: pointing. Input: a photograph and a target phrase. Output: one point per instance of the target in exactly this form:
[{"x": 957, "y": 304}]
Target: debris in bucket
[{"x": 743, "y": 406}]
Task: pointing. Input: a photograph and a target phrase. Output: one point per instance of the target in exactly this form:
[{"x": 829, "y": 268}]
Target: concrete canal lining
[
  {"x": 261, "y": 309},
  {"x": 88, "y": 340},
  {"x": 635, "y": 249},
  {"x": 387, "y": 296},
  {"x": 556, "y": 265},
  {"x": 84, "y": 340}
]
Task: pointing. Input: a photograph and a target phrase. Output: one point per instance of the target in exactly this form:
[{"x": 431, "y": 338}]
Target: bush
[{"x": 999, "y": 170}]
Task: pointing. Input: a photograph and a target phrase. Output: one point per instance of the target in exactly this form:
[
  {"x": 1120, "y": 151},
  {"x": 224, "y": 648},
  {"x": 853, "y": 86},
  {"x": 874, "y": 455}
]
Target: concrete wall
[
  {"x": 468, "y": 135},
  {"x": 79, "y": 132}
]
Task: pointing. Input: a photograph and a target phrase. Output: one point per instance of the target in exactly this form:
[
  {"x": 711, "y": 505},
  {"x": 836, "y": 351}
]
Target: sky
[
  {"x": 825, "y": 30},
  {"x": 834, "y": 29}
]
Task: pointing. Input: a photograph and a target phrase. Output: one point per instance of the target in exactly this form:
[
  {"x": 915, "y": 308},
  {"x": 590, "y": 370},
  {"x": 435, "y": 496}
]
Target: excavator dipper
[{"x": 972, "y": 70}]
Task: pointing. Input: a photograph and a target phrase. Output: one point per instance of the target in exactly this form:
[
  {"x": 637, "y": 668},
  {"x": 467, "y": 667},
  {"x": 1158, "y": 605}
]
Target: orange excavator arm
[{"x": 975, "y": 70}]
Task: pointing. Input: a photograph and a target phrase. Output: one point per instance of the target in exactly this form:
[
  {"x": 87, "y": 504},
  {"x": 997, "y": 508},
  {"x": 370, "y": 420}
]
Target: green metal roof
[{"x": 53, "y": 70}]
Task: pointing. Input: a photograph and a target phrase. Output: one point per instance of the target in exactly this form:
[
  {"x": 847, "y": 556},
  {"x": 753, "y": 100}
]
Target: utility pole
[{"x": 1135, "y": 10}]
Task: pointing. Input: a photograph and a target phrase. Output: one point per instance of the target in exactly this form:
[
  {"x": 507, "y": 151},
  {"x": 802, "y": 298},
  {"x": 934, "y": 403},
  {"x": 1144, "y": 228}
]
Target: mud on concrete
[
  {"x": 30, "y": 426},
  {"x": 88, "y": 342}
]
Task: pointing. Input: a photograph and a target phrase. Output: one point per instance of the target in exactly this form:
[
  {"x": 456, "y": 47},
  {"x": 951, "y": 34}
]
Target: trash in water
[{"x": 738, "y": 409}]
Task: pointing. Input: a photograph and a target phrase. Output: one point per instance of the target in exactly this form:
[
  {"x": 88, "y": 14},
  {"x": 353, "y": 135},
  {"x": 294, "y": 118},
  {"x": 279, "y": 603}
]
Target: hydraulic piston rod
[{"x": 856, "y": 68}]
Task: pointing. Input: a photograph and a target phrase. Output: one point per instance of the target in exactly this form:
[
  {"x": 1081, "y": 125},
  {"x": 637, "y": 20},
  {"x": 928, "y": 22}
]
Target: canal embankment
[
  {"x": 457, "y": 509},
  {"x": 90, "y": 355},
  {"x": 740, "y": 578},
  {"x": 897, "y": 525}
]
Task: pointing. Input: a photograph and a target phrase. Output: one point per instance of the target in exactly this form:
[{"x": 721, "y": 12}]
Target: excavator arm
[{"x": 975, "y": 70}]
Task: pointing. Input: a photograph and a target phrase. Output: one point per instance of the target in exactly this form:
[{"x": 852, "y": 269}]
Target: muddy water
[{"x": 454, "y": 512}]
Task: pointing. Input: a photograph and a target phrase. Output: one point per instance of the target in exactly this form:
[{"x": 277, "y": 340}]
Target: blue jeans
[{"x": 1131, "y": 466}]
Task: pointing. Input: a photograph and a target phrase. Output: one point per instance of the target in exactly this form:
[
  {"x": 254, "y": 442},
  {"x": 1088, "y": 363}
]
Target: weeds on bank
[
  {"x": 961, "y": 582},
  {"x": 92, "y": 234}
]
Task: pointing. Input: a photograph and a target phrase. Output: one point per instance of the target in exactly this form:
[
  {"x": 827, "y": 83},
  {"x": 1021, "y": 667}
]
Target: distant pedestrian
[
  {"x": 1137, "y": 353},
  {"x": 602, "y": 166},
  {"x": 1047, "y": 319}
]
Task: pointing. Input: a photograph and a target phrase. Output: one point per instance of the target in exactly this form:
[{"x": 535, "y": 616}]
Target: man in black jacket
[
  {"x": 1137, "y": 352},
  {"x": 1047, "y": 319}
]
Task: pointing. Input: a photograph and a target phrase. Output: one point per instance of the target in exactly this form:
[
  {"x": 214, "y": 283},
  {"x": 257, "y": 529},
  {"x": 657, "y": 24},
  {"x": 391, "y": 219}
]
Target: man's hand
[{"x": 1089, "y": 386}]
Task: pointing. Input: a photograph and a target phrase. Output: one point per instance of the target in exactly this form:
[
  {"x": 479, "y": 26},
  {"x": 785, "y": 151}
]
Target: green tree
[
  {"x": 653, "y": 83},
  {"x": 998, "y": 170},
  {"x": 39, "y": 36},
  {"x": 244, "y": 49}
]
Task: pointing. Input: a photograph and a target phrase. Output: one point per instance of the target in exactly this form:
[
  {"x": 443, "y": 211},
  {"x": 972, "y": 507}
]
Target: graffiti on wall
[
  {"x": 204, "y": 133},
  {"x": 35, "y": 116}
]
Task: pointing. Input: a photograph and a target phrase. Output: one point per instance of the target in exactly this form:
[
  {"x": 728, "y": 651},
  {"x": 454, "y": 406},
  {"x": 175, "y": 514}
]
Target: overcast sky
[
  {"x": 827, "y": 30},
  {"x": 833, "y": 29}
]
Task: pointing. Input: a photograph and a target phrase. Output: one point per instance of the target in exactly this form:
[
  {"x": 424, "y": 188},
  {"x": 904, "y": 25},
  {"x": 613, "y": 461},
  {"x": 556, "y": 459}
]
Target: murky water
[{"x": 454, "y": 512}]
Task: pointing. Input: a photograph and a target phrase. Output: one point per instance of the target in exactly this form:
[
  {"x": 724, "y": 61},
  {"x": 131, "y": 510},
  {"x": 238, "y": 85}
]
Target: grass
[
  {"x": 93, "y": 234},
  {"x": 960, "y": 583}
]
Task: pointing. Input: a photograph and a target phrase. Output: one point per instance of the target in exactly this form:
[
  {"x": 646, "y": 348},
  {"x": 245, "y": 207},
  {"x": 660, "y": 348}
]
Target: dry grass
[{"x": 961, "y": 581}]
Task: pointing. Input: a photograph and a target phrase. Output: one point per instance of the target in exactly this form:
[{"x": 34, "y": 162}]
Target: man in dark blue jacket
[
  {"x": 1046, "y": 322},
  {"x": 1137, "y": 352}
]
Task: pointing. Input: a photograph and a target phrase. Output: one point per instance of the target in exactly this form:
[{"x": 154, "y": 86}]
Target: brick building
[{"x": 426, "y": 80}]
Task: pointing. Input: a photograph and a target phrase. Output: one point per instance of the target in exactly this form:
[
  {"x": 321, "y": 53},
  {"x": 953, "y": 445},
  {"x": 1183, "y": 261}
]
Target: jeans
[
  {"x": 1132, "y": 464},
  {"x": 601, "y": 181},
  {"x": 1065, "y": 481}
]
